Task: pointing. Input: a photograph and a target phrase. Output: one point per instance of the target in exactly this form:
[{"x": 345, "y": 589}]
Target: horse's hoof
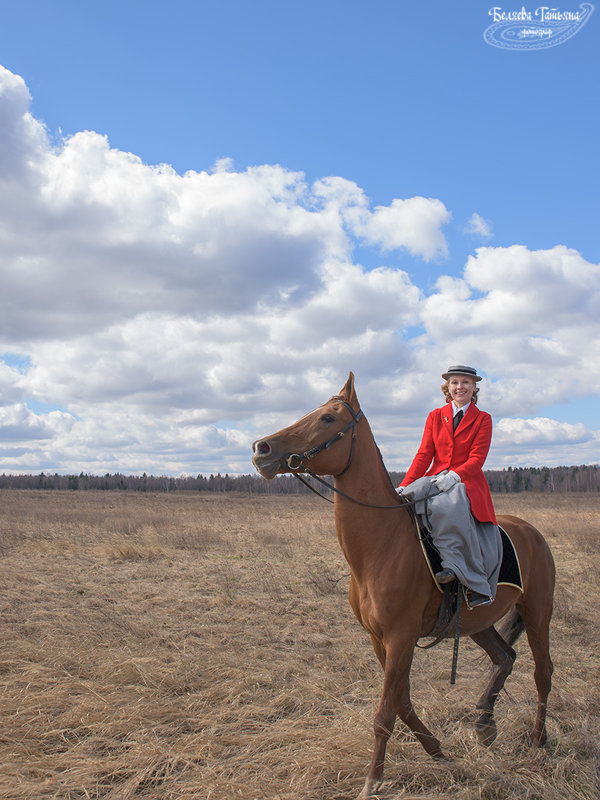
[
  {"x": 443, "y": 758},
  {"x": 540, "y": 740},
  {"x": 369, "y": 791},
  {"x": 486, "y": 729}
]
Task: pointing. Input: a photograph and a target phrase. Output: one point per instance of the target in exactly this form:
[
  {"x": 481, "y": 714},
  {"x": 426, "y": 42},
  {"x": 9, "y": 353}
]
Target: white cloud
[
  {"x": 541, "y": 441},
  {"x": 23, "y": 137},
  {"x": 175, "y": 317},
  {"x": 539, "y": 431},
  {"x": 414, "y": 224},
  {"x": 18, "y": 423},
  {"x": 102, "y": 237},
  {"x": 480, "y": 227},
  {"x": 523, "y": 316}
]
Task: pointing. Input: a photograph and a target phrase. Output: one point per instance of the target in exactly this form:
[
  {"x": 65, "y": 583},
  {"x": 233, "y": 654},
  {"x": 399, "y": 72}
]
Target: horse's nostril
[{"x": 263, "y": 448}]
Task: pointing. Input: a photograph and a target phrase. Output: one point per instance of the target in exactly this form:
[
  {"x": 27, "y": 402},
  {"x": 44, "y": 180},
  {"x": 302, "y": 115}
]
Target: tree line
[{"x": 585, "y": 478}]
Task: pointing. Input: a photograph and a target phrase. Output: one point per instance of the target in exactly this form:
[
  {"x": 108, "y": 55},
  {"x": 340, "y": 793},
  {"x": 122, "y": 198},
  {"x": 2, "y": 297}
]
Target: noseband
[{"x": 295, "y": 462}]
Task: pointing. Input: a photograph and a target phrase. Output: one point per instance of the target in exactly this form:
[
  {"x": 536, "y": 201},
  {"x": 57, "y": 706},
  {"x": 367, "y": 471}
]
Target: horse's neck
[
  {"x": 368, "y": 533},
  {"x": 366, "y": 472}
]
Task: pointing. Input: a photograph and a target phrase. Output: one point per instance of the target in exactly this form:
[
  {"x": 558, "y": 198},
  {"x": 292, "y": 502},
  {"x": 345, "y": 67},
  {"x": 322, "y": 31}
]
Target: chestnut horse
[{"x": 392, "y": 592}]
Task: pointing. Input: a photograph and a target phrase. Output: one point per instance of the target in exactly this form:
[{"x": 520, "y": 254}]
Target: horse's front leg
[{"x": 395, "y": 701}]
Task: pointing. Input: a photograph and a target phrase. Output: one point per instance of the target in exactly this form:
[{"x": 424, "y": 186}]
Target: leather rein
[{"x": 295, "y": 463}]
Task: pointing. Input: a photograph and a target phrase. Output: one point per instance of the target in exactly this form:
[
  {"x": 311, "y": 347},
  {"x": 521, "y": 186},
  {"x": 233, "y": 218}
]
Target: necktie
[{"x": 457, "y": 418}]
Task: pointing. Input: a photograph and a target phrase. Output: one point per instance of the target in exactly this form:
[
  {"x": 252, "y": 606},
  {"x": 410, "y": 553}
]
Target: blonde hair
[{"x": 446, "y": 391}]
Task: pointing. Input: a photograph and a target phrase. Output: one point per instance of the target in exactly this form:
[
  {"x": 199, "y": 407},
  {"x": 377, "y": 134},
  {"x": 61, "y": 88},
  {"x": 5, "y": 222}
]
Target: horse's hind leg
[
  {"x": 537, "y": 627},
  {"x": 498, "y": 647}
]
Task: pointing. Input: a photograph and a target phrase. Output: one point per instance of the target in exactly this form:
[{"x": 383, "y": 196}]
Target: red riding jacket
[{"x": 464, "y": 452}]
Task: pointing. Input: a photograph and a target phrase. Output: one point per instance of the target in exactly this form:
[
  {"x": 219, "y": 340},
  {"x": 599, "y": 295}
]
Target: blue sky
[
  {"x": 402, "y": 98},
  {"x": 399, "y": 100}
]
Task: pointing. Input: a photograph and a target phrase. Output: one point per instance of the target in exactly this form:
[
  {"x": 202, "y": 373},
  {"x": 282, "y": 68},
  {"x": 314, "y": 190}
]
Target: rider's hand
[
  {"x": 446, "y": 481},
  {"x": 400, "y": 489}
]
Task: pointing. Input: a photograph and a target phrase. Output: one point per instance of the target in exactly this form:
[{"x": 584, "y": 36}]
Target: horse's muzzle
[{"x": 265, "y": 460}]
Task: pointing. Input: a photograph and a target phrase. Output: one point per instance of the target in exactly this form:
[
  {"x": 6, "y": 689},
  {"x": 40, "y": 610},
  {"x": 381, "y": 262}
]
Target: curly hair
[{"x": 448, "y": 396}]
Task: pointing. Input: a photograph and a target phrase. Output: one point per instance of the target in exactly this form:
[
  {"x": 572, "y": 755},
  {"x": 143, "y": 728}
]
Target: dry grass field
[{"x": 181, "y": 646}]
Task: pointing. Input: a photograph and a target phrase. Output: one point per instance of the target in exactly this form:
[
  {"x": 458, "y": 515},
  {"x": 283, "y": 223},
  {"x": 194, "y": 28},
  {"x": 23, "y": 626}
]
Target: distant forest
[{"x": 519, "y": 479}]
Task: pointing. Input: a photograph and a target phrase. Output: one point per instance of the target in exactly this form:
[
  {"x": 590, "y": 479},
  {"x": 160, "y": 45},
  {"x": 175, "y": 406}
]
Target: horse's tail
[{"x": 512, "y": 627}]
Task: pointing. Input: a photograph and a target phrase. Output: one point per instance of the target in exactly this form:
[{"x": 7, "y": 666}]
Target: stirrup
[{"x": 476, "y": 599}]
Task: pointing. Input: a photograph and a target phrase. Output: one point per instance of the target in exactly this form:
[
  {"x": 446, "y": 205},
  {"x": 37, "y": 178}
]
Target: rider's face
[{"x": 461, "y": 389}]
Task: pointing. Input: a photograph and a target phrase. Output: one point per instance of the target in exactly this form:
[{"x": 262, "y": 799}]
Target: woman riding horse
[{"x": 455, "y": 443}]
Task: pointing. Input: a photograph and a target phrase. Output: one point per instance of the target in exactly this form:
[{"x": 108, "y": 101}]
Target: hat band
[{"x": 461, "y": 369}]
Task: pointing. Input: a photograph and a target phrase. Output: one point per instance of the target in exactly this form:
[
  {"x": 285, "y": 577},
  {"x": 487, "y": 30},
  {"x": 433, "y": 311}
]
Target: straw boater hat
[{"x": 460, "y": 369}]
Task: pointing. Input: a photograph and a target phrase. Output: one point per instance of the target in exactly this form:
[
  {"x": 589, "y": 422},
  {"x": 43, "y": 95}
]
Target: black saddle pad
[{"x": 510, "y": 572}]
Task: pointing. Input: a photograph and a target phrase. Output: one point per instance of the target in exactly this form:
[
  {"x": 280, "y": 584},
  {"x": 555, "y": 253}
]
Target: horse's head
[{"x": 311, "y": 438}]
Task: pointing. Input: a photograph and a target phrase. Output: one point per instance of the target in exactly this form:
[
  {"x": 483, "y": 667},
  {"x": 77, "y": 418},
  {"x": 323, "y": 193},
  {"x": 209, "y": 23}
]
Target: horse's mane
[
  {"x": 385, "y": 470},
  {"x": 387, "y": 474}
]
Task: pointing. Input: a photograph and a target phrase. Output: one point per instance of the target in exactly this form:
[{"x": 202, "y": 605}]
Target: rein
[
  {"x": 402, "y": 504},
  {"x": 295, "y": 463}
]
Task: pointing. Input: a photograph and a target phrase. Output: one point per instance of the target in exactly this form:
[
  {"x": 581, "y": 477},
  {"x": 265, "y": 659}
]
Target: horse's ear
[{"x": 348, "y": 391}]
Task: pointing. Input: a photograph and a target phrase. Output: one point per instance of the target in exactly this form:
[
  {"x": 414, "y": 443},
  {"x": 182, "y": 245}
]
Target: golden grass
[{"x": 201, "y": 647}]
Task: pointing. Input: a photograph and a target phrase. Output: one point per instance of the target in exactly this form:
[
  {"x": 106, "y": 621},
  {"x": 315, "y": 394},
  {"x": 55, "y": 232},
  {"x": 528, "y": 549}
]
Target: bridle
[{"x": 296, "y": 462}]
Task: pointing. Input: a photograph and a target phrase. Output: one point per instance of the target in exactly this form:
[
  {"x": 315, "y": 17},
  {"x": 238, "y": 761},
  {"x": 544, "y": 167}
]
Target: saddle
[
  {"x": 510, "y": 570},
  {"x": 510, "y": 575},
  {"x": 450, "y": 609}
]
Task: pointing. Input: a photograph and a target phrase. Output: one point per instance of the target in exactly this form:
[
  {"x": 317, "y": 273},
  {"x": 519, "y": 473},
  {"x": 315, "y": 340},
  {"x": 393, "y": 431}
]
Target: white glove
[
  {"x": 445, "y": 481},
  {"x": 400, "y": 489}
]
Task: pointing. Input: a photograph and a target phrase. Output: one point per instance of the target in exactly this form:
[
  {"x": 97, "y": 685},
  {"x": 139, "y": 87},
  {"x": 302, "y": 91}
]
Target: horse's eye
[{"x": 327, "y": 418}]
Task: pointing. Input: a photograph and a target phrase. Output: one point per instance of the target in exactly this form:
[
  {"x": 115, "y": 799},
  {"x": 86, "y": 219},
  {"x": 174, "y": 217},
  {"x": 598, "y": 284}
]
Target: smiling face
[{"x": 461, "y": 389}]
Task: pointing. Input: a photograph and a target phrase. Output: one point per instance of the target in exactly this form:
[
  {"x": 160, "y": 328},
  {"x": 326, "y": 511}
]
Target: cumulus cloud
[
  {"x": 540, "y": 431},
  {"x": 537, "y": 440},
  {"x": 17, "y": 422},
  {"x": 524, "y": 314},
  {"x": 106, "y": 237},
  {"x": 414, "y": 224},
  {"x": 171, "y": 319},
  {"x": 23, "y": 137}
]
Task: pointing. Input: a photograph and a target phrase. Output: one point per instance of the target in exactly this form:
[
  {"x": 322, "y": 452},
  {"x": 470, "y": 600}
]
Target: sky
[{"x": 212, "y": 211}]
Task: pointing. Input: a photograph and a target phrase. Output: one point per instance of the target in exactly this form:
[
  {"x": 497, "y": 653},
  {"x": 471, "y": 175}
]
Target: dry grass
[{"x": 181, "y": 647}]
